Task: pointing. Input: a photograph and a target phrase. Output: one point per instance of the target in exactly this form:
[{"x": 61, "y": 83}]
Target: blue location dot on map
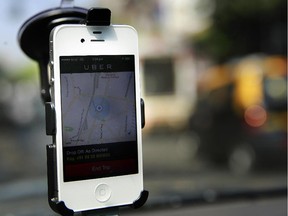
[{"x": 100, "y": 108}]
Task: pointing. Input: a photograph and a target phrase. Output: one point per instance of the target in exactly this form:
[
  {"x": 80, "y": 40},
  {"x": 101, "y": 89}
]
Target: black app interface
[{"x": 99, "y": 127}]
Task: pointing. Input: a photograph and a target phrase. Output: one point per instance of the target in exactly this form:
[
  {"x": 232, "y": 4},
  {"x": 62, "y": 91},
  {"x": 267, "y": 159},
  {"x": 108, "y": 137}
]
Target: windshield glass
[{"x": 214, "y": 81}]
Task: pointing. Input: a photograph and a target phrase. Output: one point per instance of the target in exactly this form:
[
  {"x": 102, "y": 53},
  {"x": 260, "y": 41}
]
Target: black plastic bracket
[
  {"x": 50, "y": 119},
  {"x": 142, "y": 104},
  {"x": 33, "y": 38},
  {"x": 55, "y": 205},
  {"x": 98, "y": 17}
]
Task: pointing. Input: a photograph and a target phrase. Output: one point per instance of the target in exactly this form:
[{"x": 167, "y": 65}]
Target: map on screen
[{"x": 98, "y": 108}]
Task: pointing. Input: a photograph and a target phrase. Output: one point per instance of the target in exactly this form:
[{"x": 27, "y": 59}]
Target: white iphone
[{"x": 95, "y": 90}]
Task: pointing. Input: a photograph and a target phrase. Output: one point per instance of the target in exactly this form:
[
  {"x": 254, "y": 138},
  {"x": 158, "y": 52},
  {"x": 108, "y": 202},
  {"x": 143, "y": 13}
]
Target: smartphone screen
[{"x": 99, "y": 127}]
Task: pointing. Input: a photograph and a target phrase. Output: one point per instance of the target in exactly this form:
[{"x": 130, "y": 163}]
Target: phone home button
[{"x": 102, "y": 192}]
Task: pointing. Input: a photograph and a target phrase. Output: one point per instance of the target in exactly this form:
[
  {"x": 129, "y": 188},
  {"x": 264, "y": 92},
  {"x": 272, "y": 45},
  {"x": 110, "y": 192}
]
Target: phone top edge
[
  {"x": 58, "y": 29},
  {"x": 91, "y": 27}
]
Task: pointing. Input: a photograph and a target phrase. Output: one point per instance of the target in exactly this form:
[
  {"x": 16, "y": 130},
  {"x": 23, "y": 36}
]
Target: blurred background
[{"x": 214, "y": 81}]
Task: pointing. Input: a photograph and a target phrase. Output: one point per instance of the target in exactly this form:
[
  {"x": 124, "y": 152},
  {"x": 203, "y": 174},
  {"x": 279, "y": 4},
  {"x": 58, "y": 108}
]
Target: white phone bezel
[{"x": 65, "y": 40}]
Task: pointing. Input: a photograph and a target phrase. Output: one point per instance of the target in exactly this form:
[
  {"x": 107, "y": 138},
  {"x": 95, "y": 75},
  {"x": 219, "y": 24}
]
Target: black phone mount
[{"x": 33, "y": 38}]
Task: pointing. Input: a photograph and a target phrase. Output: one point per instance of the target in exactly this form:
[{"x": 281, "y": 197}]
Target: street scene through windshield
[{"x": 214, "y": 81}]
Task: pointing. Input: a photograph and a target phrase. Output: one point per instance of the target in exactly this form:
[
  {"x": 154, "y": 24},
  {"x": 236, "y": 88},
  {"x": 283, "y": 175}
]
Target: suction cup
[{"x": 33, "y": 37}]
